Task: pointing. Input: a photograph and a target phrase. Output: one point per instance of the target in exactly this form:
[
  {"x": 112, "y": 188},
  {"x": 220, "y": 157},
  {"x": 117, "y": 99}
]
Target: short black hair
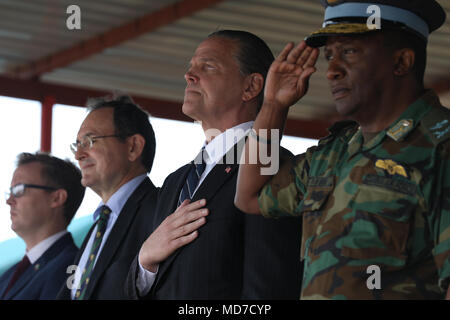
[
  {"x": 129, "y": 119},
  {"x": 253, "y": 56},
  {"x": 60, "y": 174}
]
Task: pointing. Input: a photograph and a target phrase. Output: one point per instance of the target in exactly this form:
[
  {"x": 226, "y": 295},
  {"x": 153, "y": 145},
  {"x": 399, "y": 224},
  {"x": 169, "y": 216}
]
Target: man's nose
[
  {"x": 335, "y": 69},
  {"x": 80, "y": 154},
  {"x": 10, "y": 199},
  {"x": 190, "y": 76}
]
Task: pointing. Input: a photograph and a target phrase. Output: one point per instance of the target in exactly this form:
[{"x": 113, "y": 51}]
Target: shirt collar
[
  {"x": 218, "y": 147},
  {"x": 38, "y": 250},
  {"x": 404, "y": 124},
  {"x": 120, "y": 197},
  {"x": 411, "y": 117}
]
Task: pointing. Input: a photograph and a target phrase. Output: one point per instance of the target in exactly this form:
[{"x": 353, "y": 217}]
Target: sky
[{"x": 177, "y": 143}]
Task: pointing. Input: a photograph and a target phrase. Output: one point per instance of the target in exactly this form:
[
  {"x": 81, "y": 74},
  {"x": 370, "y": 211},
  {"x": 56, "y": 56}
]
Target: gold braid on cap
[{"x": 343, "y": 28}]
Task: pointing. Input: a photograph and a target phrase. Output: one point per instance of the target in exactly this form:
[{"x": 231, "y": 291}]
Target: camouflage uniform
[{"x": 385, "y": 202}]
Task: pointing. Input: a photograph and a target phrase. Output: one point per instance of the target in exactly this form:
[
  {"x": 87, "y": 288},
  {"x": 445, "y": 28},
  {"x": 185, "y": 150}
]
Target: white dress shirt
[
  {"x": 216, "y": 149},
  {"x": 38, "y": 250},
  {"x": 116, "y": 204}
]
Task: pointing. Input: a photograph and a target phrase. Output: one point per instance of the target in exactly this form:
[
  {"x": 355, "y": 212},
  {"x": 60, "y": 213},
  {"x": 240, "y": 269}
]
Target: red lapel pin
[{"x": 227, "y": 169}]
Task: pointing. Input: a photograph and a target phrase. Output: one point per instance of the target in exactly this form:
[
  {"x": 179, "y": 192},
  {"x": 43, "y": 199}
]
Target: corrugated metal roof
[
  {"x": 30, "y": 29},
  {"x": 153, "y": 64}
]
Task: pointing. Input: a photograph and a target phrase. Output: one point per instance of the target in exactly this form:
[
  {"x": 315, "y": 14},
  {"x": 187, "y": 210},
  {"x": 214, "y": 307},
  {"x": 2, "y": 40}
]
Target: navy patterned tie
[
  {"x": 102, "y": 222},
  {"x": 197, "y": 167}
]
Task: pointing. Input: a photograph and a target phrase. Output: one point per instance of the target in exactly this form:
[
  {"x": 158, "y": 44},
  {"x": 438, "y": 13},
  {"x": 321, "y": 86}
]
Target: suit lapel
[
  {"x": 215, "y": 179},
  {"x": 21, "y": 282},
  {"x": 5, "y": 278},
  {"x": 173, "y": 197},
  {"x": 36, "y": 267},
  {"x": 83, "y": 245},
  {"x": 118, "y": 232},
  {"x": 66, "y": 292},
  {"x": 171, "y": 201},
  {"x": 220, "y": 174}
]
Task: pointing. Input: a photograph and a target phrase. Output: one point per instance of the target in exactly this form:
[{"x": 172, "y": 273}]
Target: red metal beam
[
  {"x": 313, "y": 129},
  {"x": 441, "y": 85},
  {"x": 46, "y": 124},
  {"x": 113, "y": 37},
  {"x": 77, "y": 96}
]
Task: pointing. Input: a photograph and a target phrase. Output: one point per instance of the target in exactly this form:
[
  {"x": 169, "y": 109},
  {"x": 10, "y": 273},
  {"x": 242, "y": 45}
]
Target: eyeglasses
[
  {"x": 19, "y": 189},
  {"x": 87, "y": 142}
]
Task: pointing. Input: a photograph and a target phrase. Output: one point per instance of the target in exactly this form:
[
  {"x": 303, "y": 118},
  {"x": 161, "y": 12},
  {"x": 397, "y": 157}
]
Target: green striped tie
[{"x": 87, "y": 272}]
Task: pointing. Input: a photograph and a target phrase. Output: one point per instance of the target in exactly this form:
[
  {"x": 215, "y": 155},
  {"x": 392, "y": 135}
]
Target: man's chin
[
  {"x": 188, "y": 109},
  {"x": 14, "y": 227},
  {"x": 344, "y": 110},
  {"x": 85, "y": 182}
]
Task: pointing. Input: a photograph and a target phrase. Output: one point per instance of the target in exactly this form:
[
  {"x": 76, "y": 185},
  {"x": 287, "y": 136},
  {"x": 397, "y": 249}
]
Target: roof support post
[{"x": 46, "y": 123}]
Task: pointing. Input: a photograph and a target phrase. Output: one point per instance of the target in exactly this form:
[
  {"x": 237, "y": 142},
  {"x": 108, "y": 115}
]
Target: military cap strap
[{"x": 389, "y": 13}]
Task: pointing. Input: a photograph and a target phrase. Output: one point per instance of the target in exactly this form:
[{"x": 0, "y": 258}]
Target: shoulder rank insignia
[
  {"x": 437, "y": 124},
  {"x": 441, "y": 128},
  {"x": 391, "y": 167},
  {"x": 400, "y": 130}
]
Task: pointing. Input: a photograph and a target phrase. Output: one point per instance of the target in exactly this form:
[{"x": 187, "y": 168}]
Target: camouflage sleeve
[
  {"x": 284, "y": 191},
  {"x": 440, "y": 219}
]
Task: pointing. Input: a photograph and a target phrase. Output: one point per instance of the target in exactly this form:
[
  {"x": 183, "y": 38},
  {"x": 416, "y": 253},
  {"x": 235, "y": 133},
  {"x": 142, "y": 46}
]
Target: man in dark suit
[
  {"x": 204, "y": 247},
  {"x": 45, "y": 193},
  {"x": 115, "y": 148}
]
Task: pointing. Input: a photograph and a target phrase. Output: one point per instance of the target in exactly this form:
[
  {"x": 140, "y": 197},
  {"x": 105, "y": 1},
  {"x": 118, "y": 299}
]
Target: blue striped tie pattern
[
  {"x": 197, "y": 167},
  {"x": 87, "y": 272}
]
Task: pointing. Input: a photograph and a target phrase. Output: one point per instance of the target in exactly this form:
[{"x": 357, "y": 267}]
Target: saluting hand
[
  {"x": 288, "y": 76},
  {"x": 177, "y": 230}
]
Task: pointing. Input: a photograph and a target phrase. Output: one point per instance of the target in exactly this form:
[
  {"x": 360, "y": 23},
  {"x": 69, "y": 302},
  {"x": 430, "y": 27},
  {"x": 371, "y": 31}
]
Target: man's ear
[
  {"x": 404, "y": 60},
  {"x": 58, "y": 199},
  {"x": 254, "y": 84},
  {"x": 136, "y": 145}
]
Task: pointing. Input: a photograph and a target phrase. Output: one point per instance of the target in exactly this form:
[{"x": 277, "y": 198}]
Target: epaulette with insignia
[
  {"x": 437, "y": 124},
  {"x": 401, "y": 129}
]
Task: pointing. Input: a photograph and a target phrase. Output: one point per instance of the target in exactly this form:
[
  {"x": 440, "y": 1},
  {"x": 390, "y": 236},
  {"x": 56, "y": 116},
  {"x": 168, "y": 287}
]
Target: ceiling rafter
[{"x": 112, "y": 37}]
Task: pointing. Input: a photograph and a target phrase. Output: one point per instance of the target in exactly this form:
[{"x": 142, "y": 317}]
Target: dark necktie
[
  {"x": 87, "y": 272},
  {"x": 20, "y": 269},
  {"x": 197, "y": 167}
]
